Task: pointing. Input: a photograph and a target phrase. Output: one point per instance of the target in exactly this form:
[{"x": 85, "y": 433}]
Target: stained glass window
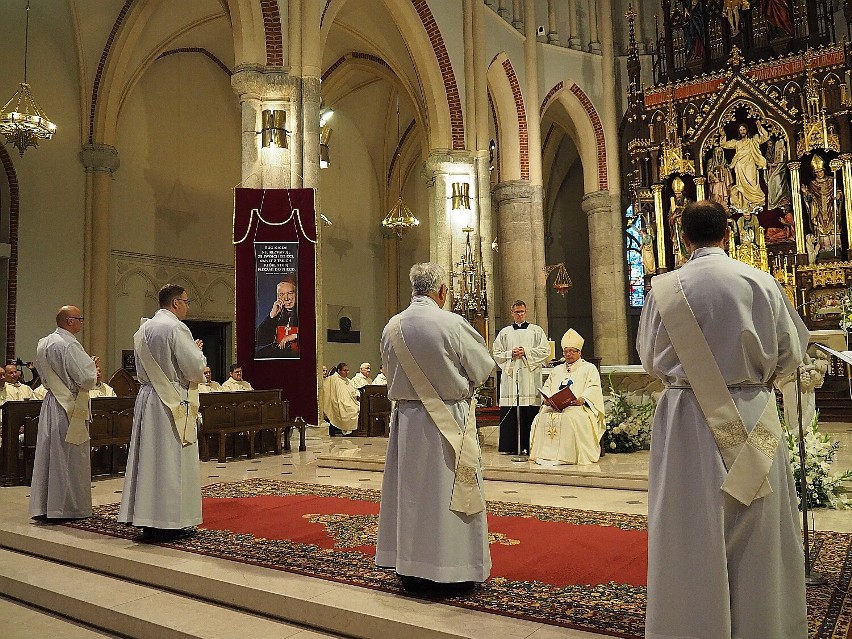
[{"x": 635, "y": 271}]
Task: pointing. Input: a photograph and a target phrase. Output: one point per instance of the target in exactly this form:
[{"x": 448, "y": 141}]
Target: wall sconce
[
  {"x": 325, "y": 137},
  {"x": 272, "y": 131},
  {"x": 461, "y": 196}
]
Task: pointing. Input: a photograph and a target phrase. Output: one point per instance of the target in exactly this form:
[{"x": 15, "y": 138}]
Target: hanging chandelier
[
  {"x": 22, "y": 120},
  {"x": 399, "y": 219}
]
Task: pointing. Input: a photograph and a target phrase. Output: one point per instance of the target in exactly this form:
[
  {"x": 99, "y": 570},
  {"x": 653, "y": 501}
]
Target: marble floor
[{"x": 307, "y": 467}]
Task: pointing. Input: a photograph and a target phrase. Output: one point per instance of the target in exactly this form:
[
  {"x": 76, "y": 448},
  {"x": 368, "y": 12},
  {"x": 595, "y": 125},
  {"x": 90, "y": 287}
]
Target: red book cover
[{"x": 560, "y": 399}]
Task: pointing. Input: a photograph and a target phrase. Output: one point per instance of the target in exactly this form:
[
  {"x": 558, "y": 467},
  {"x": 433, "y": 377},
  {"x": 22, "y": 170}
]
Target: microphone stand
[
  {"x": 811, "y": 578},
  {"x": 519, "y": 457}
]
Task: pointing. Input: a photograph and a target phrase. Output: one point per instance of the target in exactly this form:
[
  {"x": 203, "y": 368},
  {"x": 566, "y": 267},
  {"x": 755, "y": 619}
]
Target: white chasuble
[
  {"x": 718, "y": 569},
  {"x": 573, "y": 435},
  {"x": 340, "y": 403}
]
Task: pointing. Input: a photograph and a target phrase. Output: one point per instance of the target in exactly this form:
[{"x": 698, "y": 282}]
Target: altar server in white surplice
[
  {"x": 162, "y": 486},
  {"x": 432, "y": 524},
  {"x": 725, "y": 555},
  {"x": 62, "y": 474},
  {"x": 519, "y": 350},
  {"x": 572, "y": 435}
]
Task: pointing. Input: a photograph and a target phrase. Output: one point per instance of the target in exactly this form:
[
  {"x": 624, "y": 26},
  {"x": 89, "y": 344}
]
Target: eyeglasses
[
  {"x": 77, "y": 318},
  {"x": 185, "y": 301}
]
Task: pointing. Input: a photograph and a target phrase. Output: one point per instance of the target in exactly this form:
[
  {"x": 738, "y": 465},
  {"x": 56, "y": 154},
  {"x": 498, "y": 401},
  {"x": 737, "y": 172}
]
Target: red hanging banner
[{"x": 274, "y": 242}]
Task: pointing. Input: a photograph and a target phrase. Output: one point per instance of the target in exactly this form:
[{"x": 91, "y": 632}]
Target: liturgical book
[{"x": 560, "y": 399}]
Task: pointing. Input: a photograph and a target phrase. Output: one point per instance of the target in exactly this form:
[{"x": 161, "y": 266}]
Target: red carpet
[
  {"x": 573, "y": 568},
  {"x": 523, "y": 548}
]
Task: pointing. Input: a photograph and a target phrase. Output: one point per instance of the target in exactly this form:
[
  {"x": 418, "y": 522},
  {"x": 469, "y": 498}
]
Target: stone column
[
  {"x": 517, "y": 18},
  {"x": 594, "y": 43},
  {"x": 573, "y": 30},
  {"x": 552, "y": 28},
  {"x": 440, "y": 229},
  {"x": 100, "y": 161},
  {"x": 514, "y": 202},
  {"x": 534, "y": 131},
  {"x": 261, "y": 88},
  {"x": 606, "y": 257}
]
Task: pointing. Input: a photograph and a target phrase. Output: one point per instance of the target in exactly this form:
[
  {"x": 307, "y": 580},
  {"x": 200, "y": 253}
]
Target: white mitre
[{"x": 572, "y": 339}]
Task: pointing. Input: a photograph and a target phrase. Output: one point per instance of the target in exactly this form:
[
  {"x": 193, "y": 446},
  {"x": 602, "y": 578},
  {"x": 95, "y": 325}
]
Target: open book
[
  {"x": 560, "y": 399},
  {"x": 845, "y": 356}
]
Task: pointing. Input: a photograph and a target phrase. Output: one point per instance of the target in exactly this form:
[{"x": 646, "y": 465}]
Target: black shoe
[
  {"x": 150, "y": 534},
  {"x": 334, "y": 431}
]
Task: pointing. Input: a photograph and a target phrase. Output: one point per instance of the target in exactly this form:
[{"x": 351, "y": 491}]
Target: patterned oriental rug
[{"x": 579, "y": 569}]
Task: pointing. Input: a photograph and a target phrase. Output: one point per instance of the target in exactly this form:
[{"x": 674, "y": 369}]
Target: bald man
[
  {"x": 209, "y": 385},
  {"x": 15, "y": 391},
  {"x": 62, "y": 474}
]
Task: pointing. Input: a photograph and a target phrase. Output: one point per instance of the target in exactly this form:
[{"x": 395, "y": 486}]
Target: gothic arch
[
  {"x": 510, "y": 108},
  {"x": 570, "y": 107},
  {"x": 425, "y": 45}
]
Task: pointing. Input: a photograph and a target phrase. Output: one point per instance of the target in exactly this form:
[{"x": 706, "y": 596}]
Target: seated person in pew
[
  {"x": 209, "y": 385},
  {"x": 236, "y": 382},
  {"x": 101, "y": 389},
  {"x": 340, "y": 402},
  {"x": 381, "y": 380},
  {"x": 15, "y": 390},
  {"x": 362, "y": 377},
  {"x": 572, "y": 435}
]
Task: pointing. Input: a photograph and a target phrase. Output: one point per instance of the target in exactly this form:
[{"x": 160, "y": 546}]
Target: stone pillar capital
[
  {"x": 99, "y": 158},
  {"x": 513, "y": 191},
  {"x": 439, "y": 162},
  {"x": 596, "y": 202},
  {"x": 253, "y": 81}
]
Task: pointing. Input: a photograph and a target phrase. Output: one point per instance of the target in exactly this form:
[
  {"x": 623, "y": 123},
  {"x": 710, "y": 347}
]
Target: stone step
[
  {"x": 19, "y": 621},
  {"x": 127, "y": 574},
  {"x": 126, "y": 608}
]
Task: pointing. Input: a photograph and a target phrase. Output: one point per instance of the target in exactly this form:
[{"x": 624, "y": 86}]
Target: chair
[{"x": 124, "y": 384}]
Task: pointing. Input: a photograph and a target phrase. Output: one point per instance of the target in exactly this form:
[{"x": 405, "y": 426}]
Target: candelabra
[{"x": 468, "y": 286}]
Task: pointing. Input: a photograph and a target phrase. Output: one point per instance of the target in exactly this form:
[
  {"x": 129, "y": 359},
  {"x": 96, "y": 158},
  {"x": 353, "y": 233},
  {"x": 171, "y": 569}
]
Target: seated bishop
[
  {"x": 209, "y": 385},
  {"x": 572, "y": 435}
]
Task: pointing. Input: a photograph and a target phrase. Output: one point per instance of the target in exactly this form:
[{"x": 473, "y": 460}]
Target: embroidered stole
[
  {"x": 76, "y": 407},
  {"x": 747, "y": 455},
  {"x": 184, "y": 411},
  {"x": 467, "y": 496}
]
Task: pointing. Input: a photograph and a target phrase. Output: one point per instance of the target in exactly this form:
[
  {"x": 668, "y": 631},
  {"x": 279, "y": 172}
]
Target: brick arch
[
  {"x": 14, "y": 216},
  {"x": 200, "y": 50},
  {"x": 523, "y": 130},
  {"x": 507, "y": 100},
  {"x": 272, "y": 30},
  {"x": 580, "y": 101}
]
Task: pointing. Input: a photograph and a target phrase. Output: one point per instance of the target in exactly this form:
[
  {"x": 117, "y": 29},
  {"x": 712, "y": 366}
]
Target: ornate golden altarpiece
[{"x": 750, "y": 107}]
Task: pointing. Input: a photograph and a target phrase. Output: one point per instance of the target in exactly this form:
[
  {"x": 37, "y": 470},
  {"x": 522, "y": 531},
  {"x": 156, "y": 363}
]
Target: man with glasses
[
  {"x": 162, "y": 486},
  {"x": 278, "y": 334},
  {"x": 62, "y": 474},
  {"x": 236, "y": 382},
  {"x": 519, "y": 350}
]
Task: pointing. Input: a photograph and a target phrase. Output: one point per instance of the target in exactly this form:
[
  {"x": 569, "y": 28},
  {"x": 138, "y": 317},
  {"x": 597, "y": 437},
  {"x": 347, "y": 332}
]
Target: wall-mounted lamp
[
  {"x": 272, "y": 131},
  {"x": 461, "y": 196},
  {"x": 325, "y": 136}
]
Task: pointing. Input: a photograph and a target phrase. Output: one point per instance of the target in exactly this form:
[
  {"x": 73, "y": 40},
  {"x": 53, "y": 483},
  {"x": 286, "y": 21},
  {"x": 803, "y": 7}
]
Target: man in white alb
[
  {"x": 62, "y": 473},
  {"x": 432, "y": 524},
  {"x": 362, "y": 377},
  {"x": 236, "y": 382},
  {"x": 572, "y": 435},
  {"x": 519, "y": 350},
  {"x": 725, "y": 555},
  {"x": 162, "y": 485},
  {"x": 381, "y": 380},
  {"x": 209, "y": 385}
]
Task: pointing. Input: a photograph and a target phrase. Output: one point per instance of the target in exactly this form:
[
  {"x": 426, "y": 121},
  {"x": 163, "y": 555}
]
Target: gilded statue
[
  {"x": 821, "y": 196},
  {"x": 678, "y": 203},
  {"x": 719, "y": 177}
]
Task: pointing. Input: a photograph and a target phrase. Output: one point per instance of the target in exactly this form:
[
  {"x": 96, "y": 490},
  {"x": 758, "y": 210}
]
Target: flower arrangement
[
  {"x": 628, "y": 424},
  {"x": 846, "y": 316},
  {"x": 824, "y": 487}
]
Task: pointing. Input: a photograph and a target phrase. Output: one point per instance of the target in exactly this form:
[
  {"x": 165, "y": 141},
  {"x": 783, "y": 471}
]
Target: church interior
[{"x": 538, "y": 150}]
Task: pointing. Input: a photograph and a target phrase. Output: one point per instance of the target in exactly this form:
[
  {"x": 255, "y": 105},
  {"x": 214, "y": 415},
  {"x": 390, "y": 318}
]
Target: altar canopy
[{"x": 274, "y": 237}]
